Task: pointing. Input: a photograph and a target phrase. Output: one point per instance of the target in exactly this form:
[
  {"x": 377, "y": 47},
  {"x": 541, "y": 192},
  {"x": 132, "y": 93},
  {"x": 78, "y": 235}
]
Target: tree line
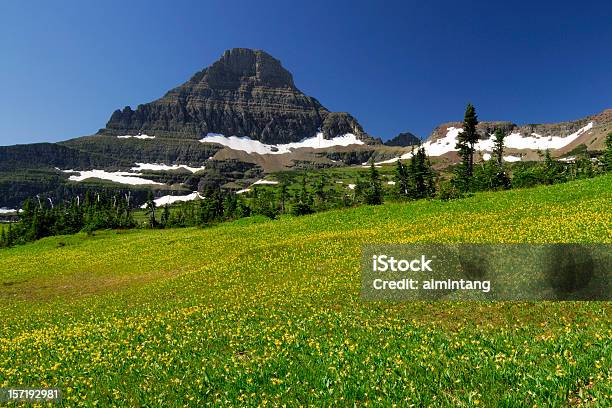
[{"x": 40, "y": 217}]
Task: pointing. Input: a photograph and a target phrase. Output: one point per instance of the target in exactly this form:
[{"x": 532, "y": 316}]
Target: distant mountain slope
[
  {"x": 245, "y": 93},
  {"x": 561, "y": 137},
  {"x": 46, "y": 155},
  {"x": 403, "y": 139}
]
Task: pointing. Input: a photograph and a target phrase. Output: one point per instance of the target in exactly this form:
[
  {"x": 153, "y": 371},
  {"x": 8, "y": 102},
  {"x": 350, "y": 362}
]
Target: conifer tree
[
  {"x": 374, "y": 192},
  {"x": 465, "y": 143},
  {"x": 283, "y": 196},
  {"x": 500, "y": 179},
  {"x": 165, "y": 217},
  {"x": 10, "y": 236},
  {"x": 3, "y": 238},
  {"x": 319, "y": 194},
  {"x": 151, "y": 210},
  {"x": 498, "y": 147},
  {"x": 303, "y": 201},
  {"x": 401, "y": 179},
  {"x": 607, "y": 156},
  {"x": 421, "y": 180}
]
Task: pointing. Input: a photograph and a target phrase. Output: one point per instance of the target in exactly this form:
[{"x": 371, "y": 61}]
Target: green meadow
[{"x": 262, "y": 312}]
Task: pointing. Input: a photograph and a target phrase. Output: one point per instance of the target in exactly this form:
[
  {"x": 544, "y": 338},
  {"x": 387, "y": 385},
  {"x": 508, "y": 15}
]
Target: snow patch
[
  {"x": 351, "y": 186},
  {"x": 121, "y": 177},
  {"x": 262, "y": 181},
  {"x": 249, "y": 145},
  {"x": 244, "y": 190},
  {"x": 511, "y": 159},
  {"x": 5, "y": 210},
  {"x": 165, "y": 167},
  {"x": 537, "y": 142},
  {"x": 391, "y": 183},
  {"x": 139, "y": 136},
  {"x": 390, "y": 161},
  {"x": 170, "y": 199}
]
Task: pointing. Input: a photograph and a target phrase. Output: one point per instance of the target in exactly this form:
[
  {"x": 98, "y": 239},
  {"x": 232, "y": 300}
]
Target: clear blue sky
[{"x": 396, "y": 66}]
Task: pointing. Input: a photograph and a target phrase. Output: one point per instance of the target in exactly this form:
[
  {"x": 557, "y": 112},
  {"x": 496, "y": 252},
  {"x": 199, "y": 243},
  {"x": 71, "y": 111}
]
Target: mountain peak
[
  {"x": 404, "y": 139},
  {"x": 238, "y": 66},
  {"x": 244, "y": 93}
]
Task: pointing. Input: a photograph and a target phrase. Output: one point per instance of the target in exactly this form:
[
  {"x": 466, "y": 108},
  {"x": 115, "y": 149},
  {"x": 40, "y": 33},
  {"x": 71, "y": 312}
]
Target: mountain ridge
[{"x": 593, "y": 138}]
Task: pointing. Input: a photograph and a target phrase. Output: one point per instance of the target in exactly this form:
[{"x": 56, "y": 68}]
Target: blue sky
[{"x": 395, "y": 65}]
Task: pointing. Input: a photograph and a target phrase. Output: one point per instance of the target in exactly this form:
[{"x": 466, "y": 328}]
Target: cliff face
[{"x": 245, "y": 93}]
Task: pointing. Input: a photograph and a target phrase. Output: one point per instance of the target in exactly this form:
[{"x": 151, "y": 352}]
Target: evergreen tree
[
  {"x": 501, "y": 179},
  {"x": 283, "y": 196},
  {"x": 421, "y": 178},
  {"x": 3, "y": 237},
  {"x": 165, "y": 217},
  {"x": 151, "y": 210},
  {"x": 265, "y": 204},
  {"x": 208, "y": 210},
  {"x": 230, "y": 204},
  {"x": 242, "y": 209},
  {"x": 553, "y": 173},
  {"x": 401, "y": 179},
  {"x": 373, "y": 193},
  {"x": 607, "y": 156},
  {"x": 498, "y": 147},
  {"x": 303, "y": 201},
  {"x": 465, "y": 143},
  {"x": 320, "y": 192},
  {"x": 11, "y": 237}
]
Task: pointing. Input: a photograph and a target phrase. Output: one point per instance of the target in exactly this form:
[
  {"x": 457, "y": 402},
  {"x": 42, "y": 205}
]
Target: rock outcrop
[
  {"x": 403, "y": 139},
  {"x": 245, "y": 93}
]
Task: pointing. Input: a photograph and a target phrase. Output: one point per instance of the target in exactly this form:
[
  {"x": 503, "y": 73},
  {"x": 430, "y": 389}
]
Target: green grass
[{"x": 260, "y": 312}]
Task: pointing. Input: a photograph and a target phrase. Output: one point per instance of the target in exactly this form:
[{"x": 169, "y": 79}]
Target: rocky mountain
[
  {"x": 245, "y": 93},
  {"x": 403, "y": 139},
  {"x": 590, "y": 131},
  {"x": 525, "y": 141}
]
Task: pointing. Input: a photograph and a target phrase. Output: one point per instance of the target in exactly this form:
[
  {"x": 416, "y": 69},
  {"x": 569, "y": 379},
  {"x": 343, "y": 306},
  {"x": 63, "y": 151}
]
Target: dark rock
[
  {"x": 245, "y": 93},
  {"x": 404, "y": 139}
]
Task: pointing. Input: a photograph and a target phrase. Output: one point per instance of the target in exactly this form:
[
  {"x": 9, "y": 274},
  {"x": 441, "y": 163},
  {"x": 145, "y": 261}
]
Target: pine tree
[
  {"x": 374, "y": 192},
  {"x": 151, "y": 210},
  {"x": 283, "y": 196},
  {"x": 230, "y": 204},
  {"x": 498, "y": 147},
  {"x": 500, "y": 179},
  {"x": 165, "y": 217},
  {"x": 401, "y": 179},
  {"x": 303, "y": 201},
  {"x": 465, "y": 143},
  {"x": 420, "y": 176},
  {"x": 3, "y": 238},
  {"x": 320, "y": 193},
  {"x": 11, "y": 235},
  {"x": 553, "y": 173},
  {"x": 430, "y": 177},
  {"x": 607, "y": 156}
]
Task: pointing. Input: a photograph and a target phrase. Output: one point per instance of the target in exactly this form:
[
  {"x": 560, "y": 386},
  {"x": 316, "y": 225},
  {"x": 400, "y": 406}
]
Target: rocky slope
[
  {"x": 245, "y": 93},
  {"x": 589, "y": 131},
  {"x": 403, "y": 139}
]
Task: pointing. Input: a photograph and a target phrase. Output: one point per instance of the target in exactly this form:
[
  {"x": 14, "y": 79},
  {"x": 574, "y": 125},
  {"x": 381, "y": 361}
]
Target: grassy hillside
[{"x": 259, "y": 312}]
